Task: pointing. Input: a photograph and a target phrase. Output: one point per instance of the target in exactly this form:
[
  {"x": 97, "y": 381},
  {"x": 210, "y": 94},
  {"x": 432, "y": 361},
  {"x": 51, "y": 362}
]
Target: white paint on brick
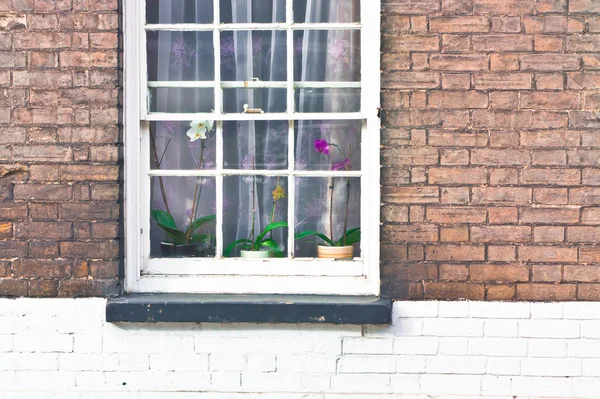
[{"x": 64, "y": 349}]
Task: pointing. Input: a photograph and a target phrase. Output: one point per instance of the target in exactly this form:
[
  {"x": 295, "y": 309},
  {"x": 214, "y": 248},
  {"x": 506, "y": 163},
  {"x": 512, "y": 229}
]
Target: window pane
[
  {"x": 315, "y": 213},
  {"x": 255, "y": 11},
  {"x": 181, "y": 100},
  {"x": 240, "y": 198},
  {"x": 328, "y": 100},
  {"x": 328, "y": 145},
  {"x": 266, "y": 100},
  {"x": 327, "y": 56},
  {"x": 253, "y": 55},
  {"x": 343, "y": 11},
  {"x": 263, "y": 144},
  {"x": 173, "y": 206},
  {"x": 179, "y": 11},
  {"x": 172, "y": 148},
  {"x": 176, "y": 56}
]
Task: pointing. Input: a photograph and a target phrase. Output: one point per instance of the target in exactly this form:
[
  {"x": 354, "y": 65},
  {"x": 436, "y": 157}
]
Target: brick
[
  {"x": 80, "y": 59},
  {"x": 558, "y": 101},
  {"x": 550, "y": 139},
  {"x": 549, "y": 62},
  {"x": 412, "y": 7},
  {"x": 586, "y": 234},
  {"x": 506, "y": 24},
  {"x": 441, "y": 138},
  {"x": 497, "y": 81},
  {"x": 411, "y": 80},
  {"x": 549, "y": 157},
  {"x": 454, "y": 43},
  {"x": 549, "y": 215},
  {"x": 89, "y": 172},
  {"x": 466, "y": 99},
  {"x": 504, "y": 99},
  {"x": 41, "y": 40},
  {"x": 454, "y": 252},
  {"x": 409, "y": 156},
  {"x": 42, "y": 192},
  {"x": 503, "y": 253},
  {"x": 548, "y": 43},
  {"x": 90, "y": 250},
  {"x": 552, "y": 292},
  {"x": 504, "y": 195},
  {"x": 500, "y": 292},
  {"x": 545, "y": 24},
  {"x": 584, "y": 6},
  {"x": 466, "y": 24},
  {"x": 36, "y": 268},
  {"x": 499, "y": 157},
  {"x": 44, "y": 230},
  {"x": 410, "y": 233},
  {"x": 547, "y": 254},
  {"x": 549, "y": 81},
  {"x": 454, "y": 234},
  {"x": 498, "y": 234},
  {"x": 580, "y": 44},
  {"x": 583, "y": 80},
  {"x": 502, "y": 215},
  {"x": 13, "y": 288},
  {"x": 13, "y": 249},
  {"x": 411, "y": 43},
  {"x": 411, "y": 194},
  {"x": 456, "y": 215},
  {"x": 457, "y": 176},
  {"x": 456, "y": 81},
  {"x": 585, "y": 274},
  {"x": 562, "y": 177},
  {"x": 45, "y": 153},
  {"x": 584, "y": 196},
  {"x": 466, "y": 62},
  {"x": 585, "y": 120},
  {"x": 506, "y": 7},
  {"x": 454, "y": 272},
  {"x": 501, "y": 43}
]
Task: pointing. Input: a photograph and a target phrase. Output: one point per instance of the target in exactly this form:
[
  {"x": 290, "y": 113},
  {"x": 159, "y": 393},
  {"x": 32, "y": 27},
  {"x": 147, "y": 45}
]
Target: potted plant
[
  {"x": 185, "y": 242},
  {"x": 342, "y": 247},
  {"x": 262, "y": 245}
]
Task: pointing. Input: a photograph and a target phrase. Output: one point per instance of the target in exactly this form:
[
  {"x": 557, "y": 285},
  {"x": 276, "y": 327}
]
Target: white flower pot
[
  {"x": 326, "y": 252},
  {"x": 256, "y": 254}
]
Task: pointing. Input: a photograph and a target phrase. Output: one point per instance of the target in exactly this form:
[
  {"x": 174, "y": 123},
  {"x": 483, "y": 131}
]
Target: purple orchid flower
[{"x": 322, "y": 147}]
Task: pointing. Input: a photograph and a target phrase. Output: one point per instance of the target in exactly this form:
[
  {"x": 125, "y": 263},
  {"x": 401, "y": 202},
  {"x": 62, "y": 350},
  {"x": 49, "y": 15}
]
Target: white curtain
[{"x": 260, "y": 55}]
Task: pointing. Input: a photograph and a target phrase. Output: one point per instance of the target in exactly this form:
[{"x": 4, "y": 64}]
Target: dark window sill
[{"x": 159, "y": 308}]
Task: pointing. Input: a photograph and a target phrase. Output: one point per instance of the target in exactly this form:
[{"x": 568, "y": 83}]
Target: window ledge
[{"x": 159, "y": 308}]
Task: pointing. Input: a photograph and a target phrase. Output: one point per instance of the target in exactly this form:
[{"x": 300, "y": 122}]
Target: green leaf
[
  {"x": 315, "y": 233},
  {"x": 230, "y": 247},
  {"x": 201, "y": 238},
  {"x": 271, "y": 226},
  {"x": 352, "y": 237},
  {"x": 199, "y": 222},
  {"x": 272, "y": 244},
  {"x": 164, "y": 219}
]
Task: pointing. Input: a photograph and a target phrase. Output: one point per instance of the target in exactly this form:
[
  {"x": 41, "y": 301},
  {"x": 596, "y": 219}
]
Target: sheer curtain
[{"x": 255, "y": 55}]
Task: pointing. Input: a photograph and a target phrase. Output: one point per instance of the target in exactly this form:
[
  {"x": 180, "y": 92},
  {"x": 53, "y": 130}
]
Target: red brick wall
[
  {"x": 59, "y": 158},
  {"x": 491, "y": 184},
  {"x": 491, "y": 149}
]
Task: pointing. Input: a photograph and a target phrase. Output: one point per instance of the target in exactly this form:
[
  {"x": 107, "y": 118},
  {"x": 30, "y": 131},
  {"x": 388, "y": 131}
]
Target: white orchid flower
[{"x": 198, "y": 130}]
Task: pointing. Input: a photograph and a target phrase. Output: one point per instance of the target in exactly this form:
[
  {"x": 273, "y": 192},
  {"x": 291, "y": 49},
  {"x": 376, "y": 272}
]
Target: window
[{"x": 249, "y": 126}]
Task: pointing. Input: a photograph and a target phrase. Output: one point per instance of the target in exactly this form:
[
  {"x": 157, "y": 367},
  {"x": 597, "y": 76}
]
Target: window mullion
[
  {"x": 289, "y": 12},
  {"x": 219, "y": 126}
]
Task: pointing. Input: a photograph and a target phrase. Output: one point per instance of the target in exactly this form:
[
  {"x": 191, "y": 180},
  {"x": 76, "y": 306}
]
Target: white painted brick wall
[{"x": 63, "y": 348}]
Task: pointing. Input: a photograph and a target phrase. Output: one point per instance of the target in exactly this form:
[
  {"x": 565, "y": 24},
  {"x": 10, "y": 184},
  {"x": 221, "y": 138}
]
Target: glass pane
[
  {"x": 176, "y": 56},
  {"x": 268, "y": 197},
  {"x": 256, "y": 145},
  {"x": 314, "y": 212},
  {"x": 179, "y": 11},
  {"x": 255, "y": 11},
  {"x": 343, "y": 11},
  {"x": 173, "y": 145},
  {"x": 265, "y": 100},
  {"x": 327, "y": 100},
  {"x": 172, "y": 202},
  {"x": 253, "y": 55},
  {"x": 332, "y": 56},
  {"x": 181, "y": 100},
  {"x": 328, "y": 145}
]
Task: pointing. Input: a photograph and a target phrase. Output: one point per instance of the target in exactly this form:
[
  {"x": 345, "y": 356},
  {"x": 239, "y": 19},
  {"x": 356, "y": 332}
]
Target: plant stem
[
  {"x": 332, "y": 187},
  {"x": 347, "y": 202},
  {"x": 197, "y": 194},
  {"x": 160, "y": 179},
  {"x": 253, "y": 205}
]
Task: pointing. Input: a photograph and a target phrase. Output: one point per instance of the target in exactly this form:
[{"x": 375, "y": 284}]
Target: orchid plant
[
  {"x": 349, "y": 236},
  {"x": 165, "y": 219},
  {"x": 264, "y": 240}
]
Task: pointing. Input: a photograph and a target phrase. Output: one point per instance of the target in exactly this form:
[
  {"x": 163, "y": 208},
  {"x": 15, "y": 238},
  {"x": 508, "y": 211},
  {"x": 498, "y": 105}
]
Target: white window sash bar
[
  {"x": 291, "y": 106},
  {"x": 219, "y": 150},
  {"x": 252, "y": 172},
  {"x": 255, "y": 84},
  {"x": 252, "y": 26},
  {"x": 249, "y": 267},
  {"x": 164, "y": 116}
]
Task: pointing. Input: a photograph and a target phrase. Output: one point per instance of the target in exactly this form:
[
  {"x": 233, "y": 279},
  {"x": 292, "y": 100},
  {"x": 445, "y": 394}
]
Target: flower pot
[
  {"x": 256, "y": 254},
  {"x": 169, "y": 250},
  {"x": 327, "y": 252}
]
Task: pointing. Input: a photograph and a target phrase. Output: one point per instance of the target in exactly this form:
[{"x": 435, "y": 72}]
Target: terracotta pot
[
  {"x": 256, "y": 254},
  {"x": 169, "y": 250},
  {"x": 326, "y": 252}
]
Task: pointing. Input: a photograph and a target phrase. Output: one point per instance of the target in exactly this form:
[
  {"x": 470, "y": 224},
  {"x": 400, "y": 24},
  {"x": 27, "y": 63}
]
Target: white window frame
[{"x": 243, "y": 276}]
